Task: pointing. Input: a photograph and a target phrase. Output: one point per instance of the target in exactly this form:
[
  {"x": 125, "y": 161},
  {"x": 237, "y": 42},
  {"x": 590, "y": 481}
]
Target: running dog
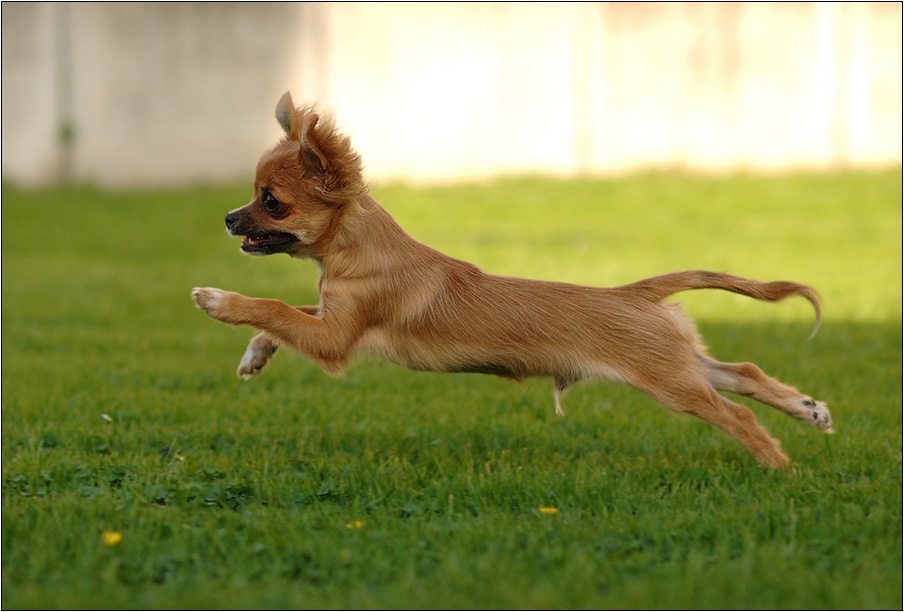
[{"x": 383, "y": 292}]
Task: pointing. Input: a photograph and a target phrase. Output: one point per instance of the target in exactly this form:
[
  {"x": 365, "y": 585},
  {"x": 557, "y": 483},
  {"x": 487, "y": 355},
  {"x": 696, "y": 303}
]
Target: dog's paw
[
  {"x": 224, "y": 306},
  {"x": 251, "y": 365},
  {"x": 258, "y": 355},
  {"x": 208, "y": 299},
  {"x": 817, "y": 414}
]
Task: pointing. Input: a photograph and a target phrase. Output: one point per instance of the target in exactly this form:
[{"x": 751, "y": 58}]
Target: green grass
[{"x": 238, "y": 495}]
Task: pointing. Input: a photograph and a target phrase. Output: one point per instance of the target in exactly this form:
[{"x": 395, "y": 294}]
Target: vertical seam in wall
[{"x": 64, "y": 89}]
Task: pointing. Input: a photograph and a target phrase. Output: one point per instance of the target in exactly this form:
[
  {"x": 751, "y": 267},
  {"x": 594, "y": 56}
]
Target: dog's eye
[{"x": 271, "y": 204}]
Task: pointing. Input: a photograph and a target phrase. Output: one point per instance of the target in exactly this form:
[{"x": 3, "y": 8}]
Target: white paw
[
  {"x": 817, "y": 414},
  {"x": 208, "y": 299},
  {"x": 252, "y": 363},
  {"x": 256, "y": 356}
]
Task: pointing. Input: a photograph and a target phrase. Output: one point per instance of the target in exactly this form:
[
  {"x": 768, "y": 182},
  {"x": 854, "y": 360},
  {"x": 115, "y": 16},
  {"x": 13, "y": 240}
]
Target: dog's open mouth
[{"x": 268, "y": 243}]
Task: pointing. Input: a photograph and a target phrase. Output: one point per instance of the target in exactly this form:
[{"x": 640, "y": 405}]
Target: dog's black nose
[{"x": 231, "y": 219}]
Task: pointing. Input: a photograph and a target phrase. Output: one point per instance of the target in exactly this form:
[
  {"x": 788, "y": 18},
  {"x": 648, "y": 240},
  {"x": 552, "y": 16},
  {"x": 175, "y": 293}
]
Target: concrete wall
[{"x": 174, "y": 93}]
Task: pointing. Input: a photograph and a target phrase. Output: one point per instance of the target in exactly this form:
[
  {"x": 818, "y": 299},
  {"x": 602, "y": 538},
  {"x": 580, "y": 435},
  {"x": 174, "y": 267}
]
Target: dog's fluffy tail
[{"x": 660, "y": 287}]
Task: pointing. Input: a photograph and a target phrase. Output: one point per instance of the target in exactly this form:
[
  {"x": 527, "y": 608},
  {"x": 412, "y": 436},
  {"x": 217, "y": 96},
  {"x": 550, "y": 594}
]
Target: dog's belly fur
[
  {"x": 517, "y": 328},
  {"x": 422, "y": 355}
]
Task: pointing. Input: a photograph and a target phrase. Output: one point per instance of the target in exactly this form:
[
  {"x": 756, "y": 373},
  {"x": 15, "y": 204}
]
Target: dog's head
[{"x": 301, "y": 188}]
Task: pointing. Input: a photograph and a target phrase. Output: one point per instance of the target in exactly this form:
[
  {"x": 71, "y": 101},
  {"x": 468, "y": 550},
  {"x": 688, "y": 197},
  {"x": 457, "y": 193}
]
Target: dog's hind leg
[
  {"x": 689, "y": 393},
  {"x": 261, "y": 348},
  {"x": 749, "y": 380}
]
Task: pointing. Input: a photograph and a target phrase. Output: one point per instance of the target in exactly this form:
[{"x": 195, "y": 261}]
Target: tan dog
[{"x": 383, "y": 292}]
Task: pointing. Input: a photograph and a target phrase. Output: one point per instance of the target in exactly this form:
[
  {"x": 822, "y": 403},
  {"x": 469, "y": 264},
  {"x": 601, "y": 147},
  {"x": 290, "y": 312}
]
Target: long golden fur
[{"x": 383, "y": 292}]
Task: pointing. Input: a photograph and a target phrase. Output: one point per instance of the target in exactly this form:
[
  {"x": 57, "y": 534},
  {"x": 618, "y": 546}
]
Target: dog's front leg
[
  {"x": 327, "y": 340},
  {"x": 261, "y": 349}
]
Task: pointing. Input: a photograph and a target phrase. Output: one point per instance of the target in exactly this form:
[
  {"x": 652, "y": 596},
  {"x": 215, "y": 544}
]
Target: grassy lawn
[{"x": 394, "y": 489}]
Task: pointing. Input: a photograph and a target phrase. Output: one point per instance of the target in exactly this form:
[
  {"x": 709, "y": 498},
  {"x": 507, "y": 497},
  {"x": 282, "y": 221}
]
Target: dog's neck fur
[{"x": 363, "y": 240}]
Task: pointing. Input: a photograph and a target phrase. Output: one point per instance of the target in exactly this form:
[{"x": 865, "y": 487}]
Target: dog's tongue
[
  {"x": 265, "y": 240},
  {"x": 258, "y": 240}
]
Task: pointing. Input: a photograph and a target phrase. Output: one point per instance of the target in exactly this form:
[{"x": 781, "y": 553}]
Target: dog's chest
[{"x": 404, "y": 350}]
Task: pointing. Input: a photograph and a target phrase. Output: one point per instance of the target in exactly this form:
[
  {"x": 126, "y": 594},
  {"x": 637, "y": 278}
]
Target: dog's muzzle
[
  {"x": 231, "y": 220},
  {"x": 256, "y": 242}
]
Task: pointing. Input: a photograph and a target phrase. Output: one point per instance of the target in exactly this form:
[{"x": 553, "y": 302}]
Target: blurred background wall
[{"x": 173, "y": 93}]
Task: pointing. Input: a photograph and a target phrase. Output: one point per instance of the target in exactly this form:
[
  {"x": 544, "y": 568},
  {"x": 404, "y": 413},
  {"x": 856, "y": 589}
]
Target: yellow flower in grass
[
  {"x": 111, "y": 538},
  {"x": 355, "y": 524},
  {"x": 548, "y": 510}
]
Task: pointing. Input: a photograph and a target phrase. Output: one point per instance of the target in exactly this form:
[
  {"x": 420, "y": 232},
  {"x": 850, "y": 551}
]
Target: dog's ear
[
  {"x": 315, "y": 162},
  {"x": 329, "y": 161},
  {"x": 285, "y": 115}
]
